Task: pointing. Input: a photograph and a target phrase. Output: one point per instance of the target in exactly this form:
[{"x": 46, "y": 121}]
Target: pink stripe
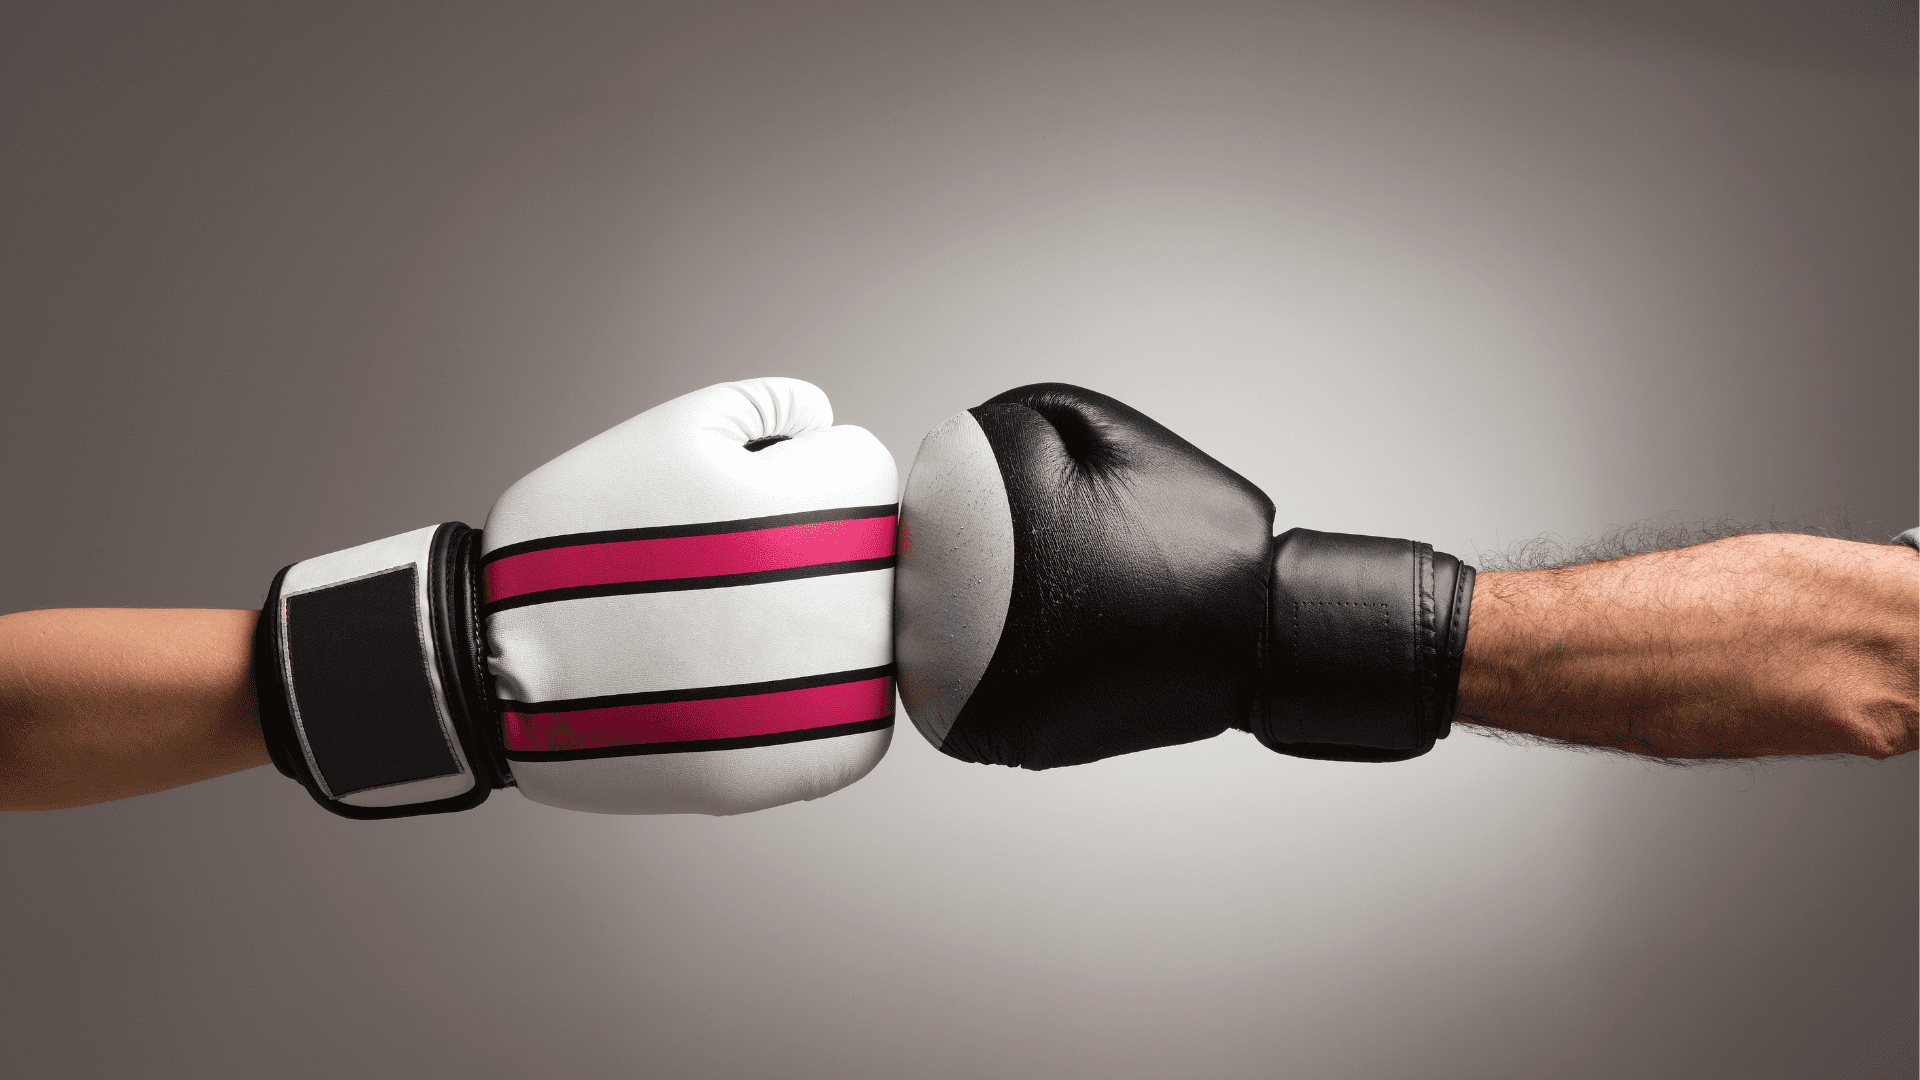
[
  {"x": 690, "y": 556},
  {"x": 712, "y": 718}
]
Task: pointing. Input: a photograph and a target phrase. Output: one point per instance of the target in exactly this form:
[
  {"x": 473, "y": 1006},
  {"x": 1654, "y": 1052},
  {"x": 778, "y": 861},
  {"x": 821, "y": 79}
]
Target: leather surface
[
  {"x": 1139, "y": 586},
  {"x": 1364, "y": 641},
  {"x": 686, "y": 461},
  {"x": 717, "y": 782},
  {"x": 1351, "y": 627},
  {"x": 705, "y": 637},
  {"x": 1134, "y": 597},
  {"x": 955, "y": 576},
  {"x": 682, "y": 467}
]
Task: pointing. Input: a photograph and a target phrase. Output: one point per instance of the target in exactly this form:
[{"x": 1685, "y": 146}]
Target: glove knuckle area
[
  {"x": 656, "y": 471},
  {"x": 1137, "y": 591},
  {"x": 767, "y": 407},
  {"x": 680, "y": 623}
]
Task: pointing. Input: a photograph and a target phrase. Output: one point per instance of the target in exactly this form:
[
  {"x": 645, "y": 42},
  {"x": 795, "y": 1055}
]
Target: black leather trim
[
  {"x": 1453, "y": 642},
  {"x": 461, "y": 652},
  {"x": 1338, "y": 752},
  {"x": 479, "y": 684}
]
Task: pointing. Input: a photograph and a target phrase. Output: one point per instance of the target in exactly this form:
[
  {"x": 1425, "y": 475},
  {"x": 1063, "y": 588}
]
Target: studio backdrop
[{"x": 284, "y": 278}]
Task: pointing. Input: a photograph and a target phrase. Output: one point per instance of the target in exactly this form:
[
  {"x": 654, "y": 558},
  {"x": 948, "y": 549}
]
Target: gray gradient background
[{"x": 283, "y": 279}]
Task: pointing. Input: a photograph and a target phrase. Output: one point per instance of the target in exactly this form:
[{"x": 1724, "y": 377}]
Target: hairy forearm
[
  {"x": 1746, "y": 647},
  {"x": 105, "y": 703}
]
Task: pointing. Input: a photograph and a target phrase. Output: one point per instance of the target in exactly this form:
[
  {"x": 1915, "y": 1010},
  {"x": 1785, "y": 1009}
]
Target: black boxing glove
[{"x": 1076, "y": 581}]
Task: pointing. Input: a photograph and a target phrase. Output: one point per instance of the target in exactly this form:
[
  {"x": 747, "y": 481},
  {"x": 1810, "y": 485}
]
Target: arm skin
[
  {"x": 1751, "y": 646},
  {"x": 105, "y": 703},
  {"x": 1757, "y": 645}
]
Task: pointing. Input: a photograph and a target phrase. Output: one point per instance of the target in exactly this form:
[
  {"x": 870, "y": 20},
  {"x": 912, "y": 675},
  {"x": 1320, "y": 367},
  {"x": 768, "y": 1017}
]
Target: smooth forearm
[
  {"x": 106, "y": 703},
  {"x": 1746, "y": 647}
]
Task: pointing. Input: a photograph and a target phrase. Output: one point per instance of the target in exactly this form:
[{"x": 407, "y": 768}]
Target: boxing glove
[
  {"x": 1076, "y": 581},
  {"x": 686, "y": 614}
]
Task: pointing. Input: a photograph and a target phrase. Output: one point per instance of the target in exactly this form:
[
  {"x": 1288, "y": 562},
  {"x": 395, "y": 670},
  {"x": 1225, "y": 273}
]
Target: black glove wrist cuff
[
  {"x": 371, "y": 677},
  {"x": 1364, "y": 640}
]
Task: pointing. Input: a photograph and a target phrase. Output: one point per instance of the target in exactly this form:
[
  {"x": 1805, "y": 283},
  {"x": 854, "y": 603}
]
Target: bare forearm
[
  {"x": 1746, "y": 647},
  {"x": 105, "y": 703}
]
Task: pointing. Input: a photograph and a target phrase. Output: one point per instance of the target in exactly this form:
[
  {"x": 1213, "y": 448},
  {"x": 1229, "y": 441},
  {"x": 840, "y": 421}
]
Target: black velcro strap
[
  {"x": 364, "y": 666},
  {"x": 1365, "y": 635},
  {"x": 361, "y": 685}
]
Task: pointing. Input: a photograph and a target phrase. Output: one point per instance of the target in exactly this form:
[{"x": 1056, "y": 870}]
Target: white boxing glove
[{"x": 690, "y": 613}]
